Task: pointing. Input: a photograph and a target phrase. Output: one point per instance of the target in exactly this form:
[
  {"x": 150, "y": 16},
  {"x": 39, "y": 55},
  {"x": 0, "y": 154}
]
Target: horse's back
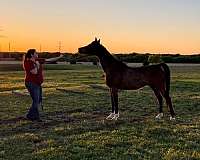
[{"x": 138, "y": 77}]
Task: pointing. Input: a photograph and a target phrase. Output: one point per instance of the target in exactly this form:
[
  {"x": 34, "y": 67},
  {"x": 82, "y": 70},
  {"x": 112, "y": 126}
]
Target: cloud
[
  {"x": 2, "y": 36},
  {"x": 1, "y": 28}
]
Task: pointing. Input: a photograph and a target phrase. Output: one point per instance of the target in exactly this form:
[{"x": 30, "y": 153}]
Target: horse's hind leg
[
  {"x": 170, "y": 107},
  {"x": 160, "y": 101},
  {"x": 168, "y": 100}
]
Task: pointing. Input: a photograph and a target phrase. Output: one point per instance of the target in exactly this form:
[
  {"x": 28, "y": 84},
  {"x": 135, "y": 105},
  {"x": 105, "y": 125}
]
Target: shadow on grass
[{"x": 77, "y": 120}]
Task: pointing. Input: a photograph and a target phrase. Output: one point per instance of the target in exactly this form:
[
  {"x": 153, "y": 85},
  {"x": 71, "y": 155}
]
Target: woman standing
[{"x": 33, "y": 81}]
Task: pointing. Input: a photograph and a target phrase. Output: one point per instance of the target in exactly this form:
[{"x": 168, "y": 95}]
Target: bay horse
[{"x": 119, "y": 76}]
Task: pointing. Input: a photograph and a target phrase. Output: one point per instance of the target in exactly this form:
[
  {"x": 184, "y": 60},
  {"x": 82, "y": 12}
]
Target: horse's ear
[
  {"x": 98, "y": 41},
  {"x": 95, "y": 39}
]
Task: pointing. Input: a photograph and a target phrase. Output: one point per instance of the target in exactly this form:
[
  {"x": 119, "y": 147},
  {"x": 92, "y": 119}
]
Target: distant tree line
[
  {"x": 129, "y": 58},
  {"x": 156, "y": 58}
]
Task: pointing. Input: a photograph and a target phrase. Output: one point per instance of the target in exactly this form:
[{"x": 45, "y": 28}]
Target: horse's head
[{"x": 93, "y": 48}]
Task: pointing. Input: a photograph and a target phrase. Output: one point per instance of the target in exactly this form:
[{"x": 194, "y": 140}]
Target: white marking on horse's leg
[
  {"x": 172, "y": 118},
  {"x": 159, "y": 116},
  {"x": 110, "y": 116},
  {"x": 116, "y": 116}
]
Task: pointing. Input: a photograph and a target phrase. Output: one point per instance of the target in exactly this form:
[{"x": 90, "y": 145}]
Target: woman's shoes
[{"x": 33, "y": 119}]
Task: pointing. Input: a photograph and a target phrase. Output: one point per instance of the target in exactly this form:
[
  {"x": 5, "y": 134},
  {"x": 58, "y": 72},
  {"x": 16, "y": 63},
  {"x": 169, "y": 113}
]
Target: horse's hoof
[
  {"x": 172, "y": 118},
  {"x": 116, "y": 116},
  {"x": 159, "y": 116},
  {"x": 110, "y": 117}
]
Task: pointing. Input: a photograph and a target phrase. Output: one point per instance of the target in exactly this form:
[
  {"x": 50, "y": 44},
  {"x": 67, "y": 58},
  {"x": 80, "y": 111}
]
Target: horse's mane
[{"x": 110, "y": 57}]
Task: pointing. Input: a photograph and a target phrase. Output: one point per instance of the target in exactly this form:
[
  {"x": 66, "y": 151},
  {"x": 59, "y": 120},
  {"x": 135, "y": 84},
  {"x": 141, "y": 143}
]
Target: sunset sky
[{"x": 124, "y": 26}]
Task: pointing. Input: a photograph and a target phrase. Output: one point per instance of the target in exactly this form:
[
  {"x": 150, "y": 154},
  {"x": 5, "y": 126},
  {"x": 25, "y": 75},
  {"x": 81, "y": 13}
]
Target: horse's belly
[
  {"x": 127, "y": 86},
  {"x": 132, "y": 85},
  {"x": 128, "y": 83}
]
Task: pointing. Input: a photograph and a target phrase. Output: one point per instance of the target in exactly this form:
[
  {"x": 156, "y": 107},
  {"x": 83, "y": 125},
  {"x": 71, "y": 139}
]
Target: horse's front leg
[
  {"x": 114, "y": 100},
  {"x": 112, "y": 114}
]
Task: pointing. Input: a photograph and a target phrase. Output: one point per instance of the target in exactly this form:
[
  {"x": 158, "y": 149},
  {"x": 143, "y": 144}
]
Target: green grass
[{"x": 74, "y": 124}]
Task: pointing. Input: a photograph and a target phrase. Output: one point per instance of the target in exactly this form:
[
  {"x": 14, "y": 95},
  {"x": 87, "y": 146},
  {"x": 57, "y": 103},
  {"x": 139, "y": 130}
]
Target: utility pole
[
  {"x": 9, "y": 46},
  {"x": 40, "y": 48},
  {"x": 9, "y": 50},
  {"x": 59, "y": 46}
]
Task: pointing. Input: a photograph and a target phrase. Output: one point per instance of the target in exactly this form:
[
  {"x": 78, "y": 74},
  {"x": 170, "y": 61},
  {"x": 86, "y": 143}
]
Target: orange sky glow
[{"x": 123, "y": 27}]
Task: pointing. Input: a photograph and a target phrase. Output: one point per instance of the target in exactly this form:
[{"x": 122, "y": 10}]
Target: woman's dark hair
[{"x": 29, "y": 53}]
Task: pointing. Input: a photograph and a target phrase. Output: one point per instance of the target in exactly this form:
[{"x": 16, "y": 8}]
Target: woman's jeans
[{"x": 36, "y": 95}]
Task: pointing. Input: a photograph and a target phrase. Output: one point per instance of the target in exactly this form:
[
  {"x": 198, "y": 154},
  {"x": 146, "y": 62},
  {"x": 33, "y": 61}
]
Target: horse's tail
[{"x": 167, "y": 76}]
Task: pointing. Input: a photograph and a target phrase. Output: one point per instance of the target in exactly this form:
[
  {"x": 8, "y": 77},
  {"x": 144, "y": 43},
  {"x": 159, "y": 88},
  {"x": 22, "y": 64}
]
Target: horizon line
[{"x": 65, "y": 52}]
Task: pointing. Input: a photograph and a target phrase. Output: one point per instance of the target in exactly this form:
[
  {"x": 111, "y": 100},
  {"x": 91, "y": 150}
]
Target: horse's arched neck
[{"x": 106, "y": 59}]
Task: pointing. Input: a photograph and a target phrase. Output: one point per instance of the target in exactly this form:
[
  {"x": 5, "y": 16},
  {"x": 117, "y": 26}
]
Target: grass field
[{"x": 74, "y": 125}]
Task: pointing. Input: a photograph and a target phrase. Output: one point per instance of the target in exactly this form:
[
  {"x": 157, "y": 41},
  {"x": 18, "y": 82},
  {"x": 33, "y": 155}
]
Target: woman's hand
[
  {"x": 34, "y": 70},
  {"x": 37, "y": 64}
]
